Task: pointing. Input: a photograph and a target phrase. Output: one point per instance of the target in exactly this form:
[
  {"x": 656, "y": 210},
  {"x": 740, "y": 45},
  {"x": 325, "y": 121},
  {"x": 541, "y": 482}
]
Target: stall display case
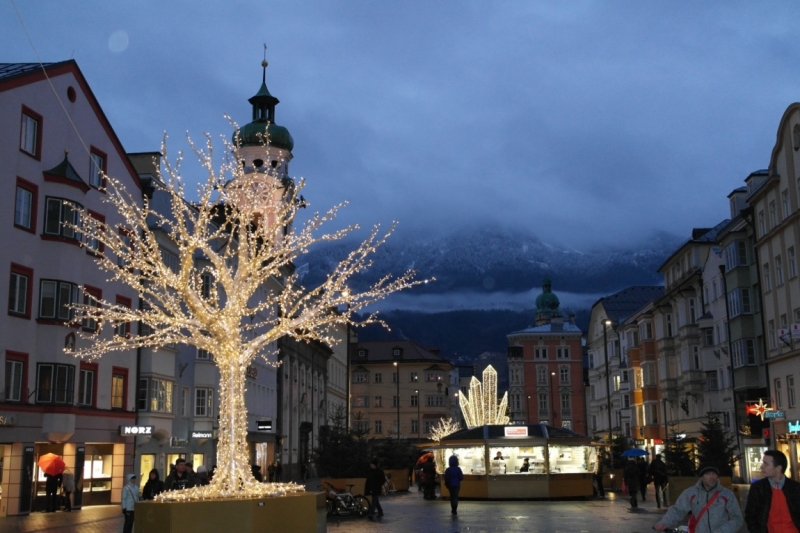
[{"x": 753, "y": 457}]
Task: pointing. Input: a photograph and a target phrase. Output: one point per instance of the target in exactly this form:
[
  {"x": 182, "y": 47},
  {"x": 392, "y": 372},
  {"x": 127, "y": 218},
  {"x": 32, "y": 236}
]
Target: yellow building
[{"x": 399, "y": 380}]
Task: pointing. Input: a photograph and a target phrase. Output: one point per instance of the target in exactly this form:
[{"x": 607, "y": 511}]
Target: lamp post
[
  {"x": 552, "y": 398},
  {"x": 397, "y": 380},
  {"x": 346, "y": 294},
  {"x": 607, "y": 323},
  {"x": 416, "y": 392}
]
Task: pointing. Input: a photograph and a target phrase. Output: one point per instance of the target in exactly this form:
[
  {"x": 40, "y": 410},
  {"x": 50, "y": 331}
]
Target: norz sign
[{"x": 128, "y": 431}]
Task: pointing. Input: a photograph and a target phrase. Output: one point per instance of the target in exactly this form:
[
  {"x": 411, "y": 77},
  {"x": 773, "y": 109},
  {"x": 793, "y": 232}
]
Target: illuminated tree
[
  {"x": 445, "y": 427},
  {"x": 233, "y": 291}
]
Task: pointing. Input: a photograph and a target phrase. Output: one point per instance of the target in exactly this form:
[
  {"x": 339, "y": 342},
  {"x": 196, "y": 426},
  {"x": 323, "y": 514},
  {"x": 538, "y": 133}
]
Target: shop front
[
  {"x": 521, "y": 462},
  {"x": 787, "y": 440}
]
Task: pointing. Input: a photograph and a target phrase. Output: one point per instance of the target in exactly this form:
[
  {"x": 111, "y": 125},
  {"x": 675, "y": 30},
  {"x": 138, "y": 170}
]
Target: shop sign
[
  {"x": 658, "y": 441},
  {"x": 775, "y": 414},
  {"x": 6, "y": 420},
  {"x": 639, "y": 442},
  {"x": 516, "y": 431},
  {"x": 127, "y": 431},
  {"x": 175, "y": 442},
  {"x": 264, "y": 425},
  {"x": 794, "y": 427},
  {"x": 202, "y": 434},
  {"x": 796, "y": 331}
]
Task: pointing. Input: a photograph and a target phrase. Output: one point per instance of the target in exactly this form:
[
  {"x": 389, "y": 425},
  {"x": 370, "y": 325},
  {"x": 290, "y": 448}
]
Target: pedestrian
[
  {"x": 68, "y": 486},
  {"x": 429, "y": 483},
  {"x": 201, "y": 477},
  {"x": 658, "y": 471},
  {"x": 51, "y": 485},
  {"x": 452, "y": 480},
  {"x": 373, "y": 487},
  {"x": 153, "y": 487},
  {"x": 598, "y": 478},
  {"x": 773, "y": 504},
  {"x": 130, "y": 495},
  {"x": 278, "y": 471},
  {"x": 181, "y": 478},
  {"x": 271, "y": 472},
  {"x": 256, "y": 471},
  {"x": 642, "y": 477},
  {"x": 526, "y": 465},
  {"x": 713, "y": 508},
  {"x": 631, "y": 477}
]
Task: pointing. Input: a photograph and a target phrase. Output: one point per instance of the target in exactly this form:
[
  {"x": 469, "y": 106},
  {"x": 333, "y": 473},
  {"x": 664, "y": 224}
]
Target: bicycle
[
  {"x": 344, "y": 503},
  {"x": 388, "y": 486}
]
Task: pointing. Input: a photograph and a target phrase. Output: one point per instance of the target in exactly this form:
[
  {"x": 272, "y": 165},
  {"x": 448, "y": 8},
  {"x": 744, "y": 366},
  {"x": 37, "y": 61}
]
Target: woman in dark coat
[
  {"x": 429, "y": 485},
  {"x": 153, "y": 487},
  {"x": 373, "y": 488},
  {"x": 452, "y": 480},
  {"x": 631, "y": 477}
]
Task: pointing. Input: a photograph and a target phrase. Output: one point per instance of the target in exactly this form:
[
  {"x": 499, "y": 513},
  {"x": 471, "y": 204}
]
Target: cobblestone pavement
[{"x": 407, "y": 512}]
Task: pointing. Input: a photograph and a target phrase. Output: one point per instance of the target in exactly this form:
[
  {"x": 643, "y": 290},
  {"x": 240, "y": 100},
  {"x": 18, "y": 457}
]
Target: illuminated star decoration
[
  {"x": 481, "y": 407},
  {"x": 759, "y": 408}
]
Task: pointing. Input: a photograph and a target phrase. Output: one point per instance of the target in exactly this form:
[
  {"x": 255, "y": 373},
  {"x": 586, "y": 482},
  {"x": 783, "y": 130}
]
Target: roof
[
  {"x": 699, "y": 236},
  {"x": 566, "y": 327},
  {"x": 541, "y": 431},
  {"x": 621, "y": 305},
  {"x": 382, "y": 352},
  {"x": 9, "y": 70}
]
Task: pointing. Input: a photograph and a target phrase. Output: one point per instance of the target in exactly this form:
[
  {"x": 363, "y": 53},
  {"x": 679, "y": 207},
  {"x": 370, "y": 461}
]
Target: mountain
[
  {"x": 489, "y": 260},
  {"x": 503, "y": 268}
]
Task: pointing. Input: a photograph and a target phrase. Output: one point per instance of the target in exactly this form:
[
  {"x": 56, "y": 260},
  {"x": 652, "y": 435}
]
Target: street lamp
[
  {"x": 607, "y": 323},
  {"x": 416, "y": 392},
  {"x": 552, "y": 398},
  {"x": 346, "y": 294},
  {"x": 397, "y": 380}
]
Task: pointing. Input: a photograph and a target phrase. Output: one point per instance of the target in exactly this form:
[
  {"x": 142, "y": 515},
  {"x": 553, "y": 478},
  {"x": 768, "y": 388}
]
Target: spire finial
[{"x": 264, "y": 64}]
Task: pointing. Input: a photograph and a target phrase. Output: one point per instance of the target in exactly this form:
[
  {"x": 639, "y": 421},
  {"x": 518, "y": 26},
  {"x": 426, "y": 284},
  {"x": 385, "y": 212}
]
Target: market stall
[{"x": 521, "y": 462}]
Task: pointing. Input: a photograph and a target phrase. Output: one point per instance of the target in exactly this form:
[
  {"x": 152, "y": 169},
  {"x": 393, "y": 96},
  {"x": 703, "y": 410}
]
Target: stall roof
[{"x": 541, "y": 431}]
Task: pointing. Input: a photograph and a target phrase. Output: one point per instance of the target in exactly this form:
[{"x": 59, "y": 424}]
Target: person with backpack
[
  {"x": 713, "y": 508},
  {"x": 452, "y": 481}
]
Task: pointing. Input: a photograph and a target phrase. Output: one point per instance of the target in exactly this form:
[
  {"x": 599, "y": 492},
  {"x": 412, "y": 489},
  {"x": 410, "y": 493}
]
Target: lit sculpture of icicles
[
  {"x": 239, "y": 234},
  {"x": 481, "y": 407}
]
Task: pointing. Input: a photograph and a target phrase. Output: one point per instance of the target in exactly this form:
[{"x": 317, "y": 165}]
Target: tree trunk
[{"x": 233, "y": 471}]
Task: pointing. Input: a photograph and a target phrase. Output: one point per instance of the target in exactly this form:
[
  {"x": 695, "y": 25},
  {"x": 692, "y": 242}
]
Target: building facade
[
  {"x": 53, "y": 166},
  {"x": 545, "y": 363}
]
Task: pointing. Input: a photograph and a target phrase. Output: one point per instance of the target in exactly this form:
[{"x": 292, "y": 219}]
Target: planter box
[
  {"x": 303, "y": 513},
  {"x": 399, "y": 478},
  {"x": 341, "y": 484}
]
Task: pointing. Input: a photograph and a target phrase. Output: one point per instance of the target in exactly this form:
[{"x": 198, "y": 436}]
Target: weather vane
[{"x": 264, "y": 65}]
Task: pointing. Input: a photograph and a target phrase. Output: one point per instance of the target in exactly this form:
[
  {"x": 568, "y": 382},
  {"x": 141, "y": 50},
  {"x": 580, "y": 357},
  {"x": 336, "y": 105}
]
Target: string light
[
  {"x": 445, "y": 427},
  {"x": 239, "y": 234},
  {"x": 481, "y": 407}
]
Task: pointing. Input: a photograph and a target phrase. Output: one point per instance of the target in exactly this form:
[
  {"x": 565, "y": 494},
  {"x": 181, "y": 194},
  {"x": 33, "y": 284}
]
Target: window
[
  {"x": 743, "y": 353},
  {"x": 428, "y": 426},
  {"x": 692, "y": 311},
  {"x": 378, "y": 401},
  {"x": 30, "y": 137},
  {"x": 615, "y": 380},
  {"x": 119, "y": 388},
  {"x": 652, "y": 413},
  {"x": 773, "y": 340},
  {"x": 767, "y": 278},
  {"x": 126, "y": 246},
  {"x": 436, "y": 400},
  {"x": 20, "y": 291},
  {"x": 540, "y": 353},
  {"x": 203, "y": 355},
  {"x": 141, "y": 395},
  {"x": 160, "y": 396},
  {"x": 712, "y": 381},
  {"x": 414, "y": 377},
  {"x": 16, "y": 377},
  {"x": 626, "y": 401},
  {"x": 360, "y": 401},
  {"x": 97, "y": 168},
  {"x": 778, "y": 270},
  {"x": 55, "y": 383},
  {"x": 414, "y": 400},
  {"x": 60, "y": 216},
  {"x": 55, "y": 298},
  {"x": 785, "y": 203},
  {"x": 762, "y": 224},
  {"x": 203, "y": 402},
  {"x": 432, "y": 377},
  {"x": 566, "y": 403},
  {"x": 736, "y": 255},
  {"x": 543, "y": 402},
  {"x": 123, "y": 329},
  {"x": 739, "y": 302},
  {"x": 792, "y": 263},
  {"x": 362, "y": 426},
  {"x": 415, "y": 426},
  {"x": 378, "y": 427},
  {"x": 790, "y": 394},
  {"x": 696, "y": 357},
  {"x": 649, "y": 372},
  {"x": 361, "y": 377},
  {"x": 91, "y": 298},
  {"x": 207, "y": 281},
  {"x": 185, "y": 401},
  {"x": 25, "y": 205},
  {"x": 773, "y": 215},
  {"x": 170, "y": 260},
  {"x": 591, "y": 360},
  {"x": 708, "y": 337},
  {"x": 395, "y": 376},
  {"x": 563, "y": 375},
  {"x": 562, "y": 352},
  {"x": 541, "y": 375},
  {"x": 86, "y": 386},
  {"x": 93, "y": 245},
  {"x": 778, "y": 394},
  {"x": 378, "y": 377}
]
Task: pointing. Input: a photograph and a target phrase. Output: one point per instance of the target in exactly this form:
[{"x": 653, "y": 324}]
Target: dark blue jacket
[{"x": 453, "y": 475}]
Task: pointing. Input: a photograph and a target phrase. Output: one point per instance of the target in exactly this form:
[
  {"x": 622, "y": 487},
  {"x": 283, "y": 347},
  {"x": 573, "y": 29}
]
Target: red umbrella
[
  {"x": 52, "y": 464},
  {"x": 424, "y": 457}
]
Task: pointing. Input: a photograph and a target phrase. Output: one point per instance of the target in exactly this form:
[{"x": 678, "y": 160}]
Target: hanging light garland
[{"x": 240, "y": 235}]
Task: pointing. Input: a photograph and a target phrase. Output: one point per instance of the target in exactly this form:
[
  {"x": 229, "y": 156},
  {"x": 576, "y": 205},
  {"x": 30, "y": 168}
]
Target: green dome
[
  {"x": 547, "y": 302},
  {"x": 277, "y": 136}
]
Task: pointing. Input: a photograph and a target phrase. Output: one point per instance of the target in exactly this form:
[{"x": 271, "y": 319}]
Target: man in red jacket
[{"x": 773, "y": 505}]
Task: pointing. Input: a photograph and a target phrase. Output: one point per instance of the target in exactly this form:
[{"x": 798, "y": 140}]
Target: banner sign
[
  {"x": 794, "y": 427},
  {"x": 516, "y": 431},
  {"x": 130, "y": 431},
  {"x": 264, "y": 425},
  {"x": 796, "y": 331},
  {"x": 775, "y": 414}
]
